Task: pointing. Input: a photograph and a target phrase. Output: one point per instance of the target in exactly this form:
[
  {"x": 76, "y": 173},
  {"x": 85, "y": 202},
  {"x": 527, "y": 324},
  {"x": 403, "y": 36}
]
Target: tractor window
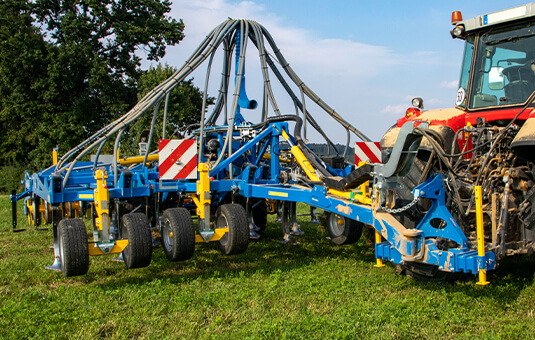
[
  {"x": 465, "y": 72},
  {"x": 504, "y": 74}
]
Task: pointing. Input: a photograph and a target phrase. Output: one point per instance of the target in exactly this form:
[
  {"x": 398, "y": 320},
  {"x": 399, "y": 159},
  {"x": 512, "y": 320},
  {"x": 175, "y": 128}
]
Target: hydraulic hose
[{"x": 225, "y": 34}]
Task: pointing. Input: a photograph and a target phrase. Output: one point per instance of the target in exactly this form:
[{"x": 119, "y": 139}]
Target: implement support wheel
[
  {"x": 138, "y": 252},
  {"x": 73, "y": 250},
  {"x": 342, "y": 230},
  {"x": 233, "y": 217},
  {"x": 178, "y": 234}
]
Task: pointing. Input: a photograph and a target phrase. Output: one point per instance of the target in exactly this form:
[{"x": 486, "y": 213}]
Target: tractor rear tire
[
  {"x": 342, "y": 230},
  {"x": 73, "y": 248},
  {"x": 178, "y": 234},
  {"x": 138, "y": 252},
  {"x": 233, "y": 217}
]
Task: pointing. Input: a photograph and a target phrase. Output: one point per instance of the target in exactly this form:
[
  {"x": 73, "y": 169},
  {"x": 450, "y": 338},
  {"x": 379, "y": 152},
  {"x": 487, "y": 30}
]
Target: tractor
[{"x": 486, "y": 140}]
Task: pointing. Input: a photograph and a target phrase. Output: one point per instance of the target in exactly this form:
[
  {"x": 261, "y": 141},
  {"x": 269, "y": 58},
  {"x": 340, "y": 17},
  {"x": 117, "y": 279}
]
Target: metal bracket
[
  {"x": 438, "y": 221},
  {"x": 206, "y": 235},
  {"x": 106, "y": 247}
]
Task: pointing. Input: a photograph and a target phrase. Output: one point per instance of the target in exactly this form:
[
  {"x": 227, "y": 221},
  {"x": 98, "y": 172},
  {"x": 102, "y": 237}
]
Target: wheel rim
[
  {"x": 337, "y": 224},
  {"x": 167, "y": 237},
  {"x": 222, "y": 223}
]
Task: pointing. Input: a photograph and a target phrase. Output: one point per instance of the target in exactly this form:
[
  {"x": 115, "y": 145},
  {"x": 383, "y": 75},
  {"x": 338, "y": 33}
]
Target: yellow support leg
[
  {"x": 480, "y": 235},
  {"x": 102, "y": 197},
  {"x": 104, "y": 245},
  {"x": 203, "y": 190},
  {"x": 202, "y": 200},
  {"x": 378, "y": 239}
]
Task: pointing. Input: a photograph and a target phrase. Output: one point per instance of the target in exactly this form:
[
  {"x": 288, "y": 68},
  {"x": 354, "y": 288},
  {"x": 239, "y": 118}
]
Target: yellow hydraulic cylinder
[
  {"x": 311, "y": 173},
  {"x": 480, "y": 235},
  {"x": 137, "y": 159},
  {"x": 301, "y": 159},
  {"x": 378, "y": 239}
]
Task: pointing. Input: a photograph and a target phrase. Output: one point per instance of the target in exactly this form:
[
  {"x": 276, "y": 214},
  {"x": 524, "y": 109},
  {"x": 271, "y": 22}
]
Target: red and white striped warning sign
[
  {"x": 367, "y": 152},
  {"x": 178, "y": 159}
]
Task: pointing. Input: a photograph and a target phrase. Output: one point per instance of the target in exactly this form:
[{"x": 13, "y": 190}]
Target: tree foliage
[{"x": 68, "y": 67}]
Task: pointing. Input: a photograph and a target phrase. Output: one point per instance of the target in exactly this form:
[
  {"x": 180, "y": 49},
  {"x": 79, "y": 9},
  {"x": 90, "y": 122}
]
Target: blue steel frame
[
  {"x": 81, "y": 184},
  {"x": 399, "y": 247}
]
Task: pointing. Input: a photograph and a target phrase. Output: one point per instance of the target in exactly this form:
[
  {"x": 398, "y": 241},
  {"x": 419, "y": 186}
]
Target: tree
[
  {"x": 23, "y": 81},
  {"x": 68, "y": 67}
]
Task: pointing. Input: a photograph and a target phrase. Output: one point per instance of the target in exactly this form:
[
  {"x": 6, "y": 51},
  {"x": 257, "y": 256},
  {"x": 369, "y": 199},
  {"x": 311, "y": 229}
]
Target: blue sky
[{"x": 366, "y": 59}]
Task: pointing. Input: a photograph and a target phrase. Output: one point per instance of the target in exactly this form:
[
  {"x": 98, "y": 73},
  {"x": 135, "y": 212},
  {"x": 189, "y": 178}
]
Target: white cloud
[
  {"x": 395, "y": 109},
  {"x": 303, "y": 50},
  {"x": 449, "y": 84}
]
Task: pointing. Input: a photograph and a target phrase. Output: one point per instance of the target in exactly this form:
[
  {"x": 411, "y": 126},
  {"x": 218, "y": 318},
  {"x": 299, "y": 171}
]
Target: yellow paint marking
[{"x": 278, "y": 194}]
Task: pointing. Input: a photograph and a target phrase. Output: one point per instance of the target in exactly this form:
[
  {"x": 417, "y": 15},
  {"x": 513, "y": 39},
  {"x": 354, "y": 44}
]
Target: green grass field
[{"x": 311, "y": 290}]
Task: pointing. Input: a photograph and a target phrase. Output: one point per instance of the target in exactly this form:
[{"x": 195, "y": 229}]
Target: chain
[{"x": 398, "y": 210}]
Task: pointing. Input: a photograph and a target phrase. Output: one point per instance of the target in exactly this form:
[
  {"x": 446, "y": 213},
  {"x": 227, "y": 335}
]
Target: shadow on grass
[
  {"x": 507, "y": 282},
  {"x": 266, "y": 256}
]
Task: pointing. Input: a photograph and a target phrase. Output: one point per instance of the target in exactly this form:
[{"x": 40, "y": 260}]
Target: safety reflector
[
  {"x": 367, "y": 152},
  {"x": 178, "y": 159}
]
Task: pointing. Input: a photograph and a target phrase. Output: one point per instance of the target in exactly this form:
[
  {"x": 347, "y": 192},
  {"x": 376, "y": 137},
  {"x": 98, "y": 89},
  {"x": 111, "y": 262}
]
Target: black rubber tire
[
  {"x": 259, "y": 211},
  {"x": 347, "y": 233},
  {"x": 138, "y": 252},
  {"x": 260, "y": 214},
  {"x": 181, "y": 244},
  {"x": 233, "y": 217},
  {"x": 73, "y": 248},
  {"x": 36, "y": 213},
  {"x": 48, "y": 214}
]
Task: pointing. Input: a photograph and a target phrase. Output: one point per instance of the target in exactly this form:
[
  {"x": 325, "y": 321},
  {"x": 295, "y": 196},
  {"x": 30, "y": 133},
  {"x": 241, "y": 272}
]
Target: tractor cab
[{"x": 499, "y": 58}]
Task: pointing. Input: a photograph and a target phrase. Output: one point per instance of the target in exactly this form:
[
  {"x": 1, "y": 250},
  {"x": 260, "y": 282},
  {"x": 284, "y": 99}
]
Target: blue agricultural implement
[{"x": 226, "y": 172}]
